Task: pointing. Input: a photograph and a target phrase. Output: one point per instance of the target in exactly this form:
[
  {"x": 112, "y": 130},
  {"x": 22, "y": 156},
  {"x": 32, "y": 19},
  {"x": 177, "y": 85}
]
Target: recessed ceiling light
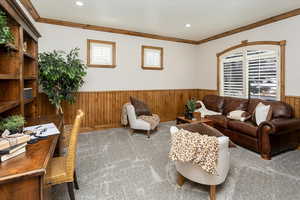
[
  {"x": 79, "y": 3},
  {"x": 188, "y": 25}
]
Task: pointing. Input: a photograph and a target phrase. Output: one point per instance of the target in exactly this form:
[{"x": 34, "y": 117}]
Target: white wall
[
  {"x": 179, "y": 60},
  {"x": 288, "y": 30}
]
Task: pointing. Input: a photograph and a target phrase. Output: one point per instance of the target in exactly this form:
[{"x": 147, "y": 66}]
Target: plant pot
[
  {"x": 190, "y": 115},
  {"x": 197, "y": 115}
]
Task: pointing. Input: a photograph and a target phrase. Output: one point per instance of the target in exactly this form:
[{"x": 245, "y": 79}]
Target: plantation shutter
[
  {"x": 233, "y": 75},
  {"x": 263, "y": 74}
]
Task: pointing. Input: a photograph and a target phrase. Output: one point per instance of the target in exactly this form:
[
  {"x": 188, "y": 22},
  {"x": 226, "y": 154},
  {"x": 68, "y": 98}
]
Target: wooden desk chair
[{"x": 62, "y": 169}]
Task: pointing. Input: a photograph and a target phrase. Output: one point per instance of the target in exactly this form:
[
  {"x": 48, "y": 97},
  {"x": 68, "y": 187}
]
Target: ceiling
[{"x": 166, "y": 17}]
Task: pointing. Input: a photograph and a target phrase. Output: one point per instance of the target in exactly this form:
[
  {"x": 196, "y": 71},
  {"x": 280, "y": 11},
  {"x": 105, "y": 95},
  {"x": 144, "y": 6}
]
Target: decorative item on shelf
[
  {"x": 14, "y": 124},
  {"x": 60, "y": 76},
  {"x": 190, "y": 108},
  {"x": 28, "y": 93},
  {"x": 25, "y": 46},
  {"x": 6, "y": 37}
]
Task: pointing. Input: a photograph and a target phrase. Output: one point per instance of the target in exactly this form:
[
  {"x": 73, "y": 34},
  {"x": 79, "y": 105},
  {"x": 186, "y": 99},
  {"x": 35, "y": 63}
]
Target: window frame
[
  {"x": 245, "y": 43},
  {"x": 161, "y": 58},
  {"x": 113, "y": 44}
]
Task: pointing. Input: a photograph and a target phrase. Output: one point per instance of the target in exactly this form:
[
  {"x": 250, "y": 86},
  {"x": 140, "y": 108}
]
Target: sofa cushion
[
  {"x": 231, "y": 104},
  {"x": 239, "y": 115},
  {"x": 279, "y": 108},
  {"x": 214, "y": 103},
  {"x": 219, "y": 120},
  {"x": 140, "y": 107},
  {"x": 247, "y": 127},
  {"x": 262, "y": 113}
]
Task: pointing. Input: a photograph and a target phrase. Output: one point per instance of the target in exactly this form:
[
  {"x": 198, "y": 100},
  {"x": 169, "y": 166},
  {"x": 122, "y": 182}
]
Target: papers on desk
[{"x": 43, "y": 130}]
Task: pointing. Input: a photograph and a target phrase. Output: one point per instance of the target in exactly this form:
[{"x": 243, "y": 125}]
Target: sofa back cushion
[
  {"x": 232, "y": 103},
  {"x": 279, "y": 109},
  {"x": 214, "y": 103}
]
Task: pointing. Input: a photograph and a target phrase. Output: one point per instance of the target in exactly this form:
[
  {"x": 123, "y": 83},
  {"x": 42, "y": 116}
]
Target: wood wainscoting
[{"x": 103, "y": 108}]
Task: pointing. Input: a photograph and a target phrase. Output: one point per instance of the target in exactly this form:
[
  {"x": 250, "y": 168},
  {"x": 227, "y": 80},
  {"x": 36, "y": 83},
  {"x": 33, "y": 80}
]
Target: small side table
[{"x": 183, "y": 120}]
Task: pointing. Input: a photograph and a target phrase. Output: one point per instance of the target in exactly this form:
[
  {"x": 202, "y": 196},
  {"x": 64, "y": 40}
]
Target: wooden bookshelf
[{"x": 18, "y": 64}]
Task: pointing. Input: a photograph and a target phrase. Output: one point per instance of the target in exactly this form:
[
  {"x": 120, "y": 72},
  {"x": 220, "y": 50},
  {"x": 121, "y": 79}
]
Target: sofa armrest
[{"x": 281, "y": 125}]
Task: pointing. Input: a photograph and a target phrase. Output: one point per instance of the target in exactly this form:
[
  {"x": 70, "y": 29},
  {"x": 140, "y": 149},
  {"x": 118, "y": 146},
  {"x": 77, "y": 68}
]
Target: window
[
  {"x": 101, "y": 54},
  {"x": 152, "y": 58},
  {"x": 252, "y": 71}
]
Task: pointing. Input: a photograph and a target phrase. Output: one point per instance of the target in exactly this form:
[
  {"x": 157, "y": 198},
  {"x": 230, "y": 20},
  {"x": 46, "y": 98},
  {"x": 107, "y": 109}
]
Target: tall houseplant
[
  {"x": 6, "y": 36},
  {"x": 60, "y": 76}
]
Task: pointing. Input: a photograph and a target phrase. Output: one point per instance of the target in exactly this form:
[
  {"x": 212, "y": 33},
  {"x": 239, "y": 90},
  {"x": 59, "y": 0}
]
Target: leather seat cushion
[
  {"x": 219, "y": 120},
  {"x": 214, "y": 103},
  {"x": 247, "y": 127}
]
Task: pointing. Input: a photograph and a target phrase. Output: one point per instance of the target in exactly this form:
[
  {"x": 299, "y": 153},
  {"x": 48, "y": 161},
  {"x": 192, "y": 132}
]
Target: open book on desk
[{"x": 43, "y": 129}]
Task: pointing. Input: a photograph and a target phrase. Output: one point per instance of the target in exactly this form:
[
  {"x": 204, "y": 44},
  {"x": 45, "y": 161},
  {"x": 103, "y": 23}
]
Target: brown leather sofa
[{"x": 272, "y": 137}]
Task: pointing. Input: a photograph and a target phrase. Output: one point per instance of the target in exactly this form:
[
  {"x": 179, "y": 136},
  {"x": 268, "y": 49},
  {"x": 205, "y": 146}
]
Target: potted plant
[
  {"x": 6, "y": 36},
  {"x": 190, "y": 108},
  {"x": 13, "y": 123},
  {"x": 60, "y": 76}
]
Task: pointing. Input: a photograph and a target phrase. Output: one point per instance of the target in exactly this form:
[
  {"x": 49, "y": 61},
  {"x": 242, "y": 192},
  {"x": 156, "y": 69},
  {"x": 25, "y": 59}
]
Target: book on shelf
[
  {"x": 12, "y": 149},
  {"x": 12, "y": 155}
]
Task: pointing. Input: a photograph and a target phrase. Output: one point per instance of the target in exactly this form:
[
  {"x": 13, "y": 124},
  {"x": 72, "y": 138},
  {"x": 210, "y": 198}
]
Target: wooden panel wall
[
  {"x": 103, "y": 109},
  {"x": 294, "y": 101}
]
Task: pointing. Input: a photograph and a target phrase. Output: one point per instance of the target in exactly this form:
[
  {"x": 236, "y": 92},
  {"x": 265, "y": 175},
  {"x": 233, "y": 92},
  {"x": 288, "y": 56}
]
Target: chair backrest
[
  {"x": 131, "y": 114},
  {"x": 195, "y": 173},
  {"x": 71, "y": 154}
]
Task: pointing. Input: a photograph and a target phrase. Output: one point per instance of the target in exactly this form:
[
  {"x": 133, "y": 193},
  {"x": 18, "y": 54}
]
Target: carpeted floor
[{"x": 113, "y": 165}]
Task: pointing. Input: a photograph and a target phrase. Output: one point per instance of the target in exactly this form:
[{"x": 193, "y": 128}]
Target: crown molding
[
  {"x": 269, "y": 20},
  {"x": 35, "y": 15},
  {"x": 113, "y": 30}
]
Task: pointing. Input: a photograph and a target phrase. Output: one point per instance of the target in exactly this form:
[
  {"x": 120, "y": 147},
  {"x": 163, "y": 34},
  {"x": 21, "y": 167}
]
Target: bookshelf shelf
[
  {"x": 9, "y": 47},
  {"x": 27, "y": 101},
  {"x": 7, "y": 105},
  {"x": 28, "y": 55},
  {"x": 9, "y": 76},
  {"x": 30, "y": 77},
  {"x": 18, "y": 64}
]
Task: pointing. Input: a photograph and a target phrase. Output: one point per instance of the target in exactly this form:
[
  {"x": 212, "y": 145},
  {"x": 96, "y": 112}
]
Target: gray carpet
[{"x": 113, "y": 165}]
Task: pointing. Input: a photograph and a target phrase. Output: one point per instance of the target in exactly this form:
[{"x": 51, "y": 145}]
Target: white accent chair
[
  {"x": 197, "y": 174},
  {"x": 135, "y": 123}
]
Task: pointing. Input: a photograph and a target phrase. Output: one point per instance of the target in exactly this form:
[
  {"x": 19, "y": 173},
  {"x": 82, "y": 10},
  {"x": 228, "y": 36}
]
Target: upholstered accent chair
[
  {"x": 62, "y": 169},
  {"x": 137, "y": 124},
  {"x": 197, "y": 174}
]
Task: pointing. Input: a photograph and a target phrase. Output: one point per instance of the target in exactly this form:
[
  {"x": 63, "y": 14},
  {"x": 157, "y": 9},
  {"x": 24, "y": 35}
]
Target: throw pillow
[
  {"x": 239, "y": 115},
  {"x": 262, "y": 113},
  {"x": 140, "y": 107}
]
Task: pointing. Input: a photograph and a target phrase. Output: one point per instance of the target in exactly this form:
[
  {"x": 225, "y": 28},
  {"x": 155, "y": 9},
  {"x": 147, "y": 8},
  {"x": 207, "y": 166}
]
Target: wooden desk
[{"x": 22, "y": 177}]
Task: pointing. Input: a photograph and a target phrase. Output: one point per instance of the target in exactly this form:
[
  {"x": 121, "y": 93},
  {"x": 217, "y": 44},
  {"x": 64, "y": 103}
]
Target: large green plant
[
  {"x": 61, "y": 75},
  {"x": 5, "y": 34}
]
